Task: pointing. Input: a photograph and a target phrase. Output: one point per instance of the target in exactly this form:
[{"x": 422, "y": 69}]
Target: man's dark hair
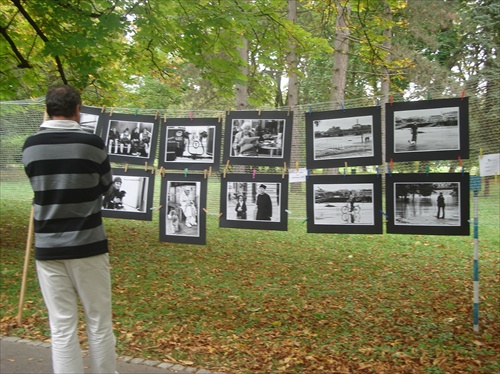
[{"x": 62, "y": 101}]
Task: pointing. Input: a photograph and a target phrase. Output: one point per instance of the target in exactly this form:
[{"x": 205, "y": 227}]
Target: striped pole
[
  {"x": 475, "y": 185},
  {"x": 476, "y": 263}
]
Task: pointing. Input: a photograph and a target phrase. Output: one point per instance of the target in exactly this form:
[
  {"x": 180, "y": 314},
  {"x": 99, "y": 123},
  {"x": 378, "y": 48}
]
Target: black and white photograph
[
  {"x": 434, "y": 204},
  {"x": 190, "y": 143},
  {"x": 182, "y": 218},
  {"x": 350, "y": 204},
  {"x": 339, "y": 136},
  {"x": 434, "y": 129},
  {"x": 89, "y": 119},
  {"x": 130, "y": 138},
  {"x": 254, "y": 138},
  {"x": 130, "y": 196},
  {"x": 258, "y": 203}
]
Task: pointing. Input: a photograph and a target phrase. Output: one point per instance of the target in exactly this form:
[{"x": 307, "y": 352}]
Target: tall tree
[{"x": 340, "y": 57}]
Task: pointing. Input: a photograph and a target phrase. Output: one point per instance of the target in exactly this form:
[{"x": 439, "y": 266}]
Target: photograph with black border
[
  {"x": 190, "y": 143},
  {"x": 258, "y": 138},
  {"x": 131, "y": 195},
  {"x": 254, "y": 203},
  {"x": 349, "y": 204},
  {"x": 433, "y": 204},
  {"x": 339, "y": 136},
  {"x": 130, "y": 138},
  {"x": 427, "y": 130},
  {"x": 182, "y": 215}
]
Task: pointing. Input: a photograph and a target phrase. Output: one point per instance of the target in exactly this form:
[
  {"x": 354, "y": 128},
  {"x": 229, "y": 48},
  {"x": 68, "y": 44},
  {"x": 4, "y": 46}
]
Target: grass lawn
[{"x": 285, "y": 302}]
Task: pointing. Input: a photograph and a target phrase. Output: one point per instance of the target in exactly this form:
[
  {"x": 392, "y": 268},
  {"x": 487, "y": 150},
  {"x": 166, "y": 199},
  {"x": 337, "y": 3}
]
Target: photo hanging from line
[
  {"x": 249, "y": 203},
  {"x": 129, "y": 138},
  {"x": 339, "y": 136},
  {"x": 258, "y": 138},
  {"x": 427, "y": 130},
  {"x": 182, "y": 216},
  {"x": 190, "y": 143},
  {"x": 436, "y": 204},
  {"x": 339, "y": 204},
  {"x": 130, "y": 196}
]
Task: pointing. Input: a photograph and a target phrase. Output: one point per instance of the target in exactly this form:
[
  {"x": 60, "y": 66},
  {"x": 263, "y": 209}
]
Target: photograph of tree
[
  {"x": 131, "y": 195},
  {"x": 182, "y": 219},
  {"x": 334, "y": 137},
  {"x": 338, "y": 204},
  {"x": 89, "y": 119},
  {"x": 190, "y": 143},
  {"x": 428, "y": 204},
  {"x": 253, "y": 138},
  {"x": 129, "y": 138},
  {"x": 423, "y": 130},
  {"x": 258, "y": 203}
]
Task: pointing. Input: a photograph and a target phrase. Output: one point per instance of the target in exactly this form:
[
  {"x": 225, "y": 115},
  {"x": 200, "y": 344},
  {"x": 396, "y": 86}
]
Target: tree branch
[
  {"x": 40, "y": 33},
  {"x": 23, "y": 63}
]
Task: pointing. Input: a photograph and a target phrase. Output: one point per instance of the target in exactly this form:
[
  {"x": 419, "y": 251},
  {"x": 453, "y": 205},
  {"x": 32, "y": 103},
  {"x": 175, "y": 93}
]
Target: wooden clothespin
[
  {"x": 126, "y": 168},
  {"x": 146, "y": 166},
  {"x": 103, "y": 108},
  {"x": 284, "y": 171},
  {"x": 111, "y": 112},
  {"x": 153, "y": 170},
  {"x": 226, "y": 168}
]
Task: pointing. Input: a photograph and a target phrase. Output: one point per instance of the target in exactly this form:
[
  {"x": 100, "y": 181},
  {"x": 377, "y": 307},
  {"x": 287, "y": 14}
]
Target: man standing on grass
[{"x": 69, "y": 172}]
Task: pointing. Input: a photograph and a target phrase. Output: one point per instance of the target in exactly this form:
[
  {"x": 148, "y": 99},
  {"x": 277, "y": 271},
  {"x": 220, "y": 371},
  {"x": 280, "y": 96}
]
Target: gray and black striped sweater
[{"x": 69, "y": 171}]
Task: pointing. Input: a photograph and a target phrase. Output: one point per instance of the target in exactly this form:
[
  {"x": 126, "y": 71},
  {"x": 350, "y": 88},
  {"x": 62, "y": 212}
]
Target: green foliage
[{"x": 131, "y": 53}]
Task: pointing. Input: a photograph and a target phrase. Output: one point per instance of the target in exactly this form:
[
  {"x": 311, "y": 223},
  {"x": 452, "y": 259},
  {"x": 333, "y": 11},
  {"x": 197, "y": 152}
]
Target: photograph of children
[
  {"x": 183, "y": 215},
  {"x": 89, "y": 118},
  {"x": 435, "y": 129},
  {"x": 336, "y": 204},
  {"x": 130, "y": 196},
  {"x": 129, "y": 138},
  {"x": 334, "y": 137},
  {"x": 423, "y": 205},
  {"x": 258, "y": 139},
  {"x": 254, "y": 203}
]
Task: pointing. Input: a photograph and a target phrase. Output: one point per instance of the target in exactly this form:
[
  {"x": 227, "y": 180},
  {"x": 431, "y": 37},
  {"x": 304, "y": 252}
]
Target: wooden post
[{"x": 29, "y": 242}]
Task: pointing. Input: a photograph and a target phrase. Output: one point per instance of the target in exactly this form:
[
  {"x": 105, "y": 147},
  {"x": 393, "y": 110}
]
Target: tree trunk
[
  {"x": 340, "y": 58},
  {"x": 293, "y": 93},
  {"x": 242, "y": 90},
  {"x": 386, "y": 77}
]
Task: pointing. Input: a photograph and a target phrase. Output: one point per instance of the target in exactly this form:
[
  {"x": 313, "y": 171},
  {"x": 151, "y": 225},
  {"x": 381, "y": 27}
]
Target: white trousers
[{"x": 61, "y": 282}]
